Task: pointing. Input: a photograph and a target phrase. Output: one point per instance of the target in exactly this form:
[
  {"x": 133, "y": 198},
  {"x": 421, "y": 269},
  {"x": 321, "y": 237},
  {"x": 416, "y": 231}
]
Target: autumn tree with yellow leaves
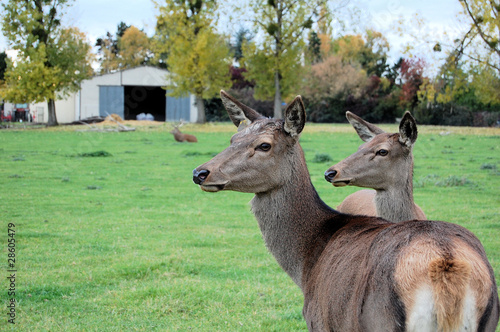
[
  {"x": 130, "y": 47},
  {"x": 134, "y": 48},
  {"x": 51, "y": 60},
  {"x": 274, "y": 61},
  {"x": 197, "y": 57}
]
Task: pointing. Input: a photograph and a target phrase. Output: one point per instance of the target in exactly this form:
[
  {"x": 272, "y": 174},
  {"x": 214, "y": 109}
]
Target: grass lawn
[{"x": 112, "y": 235}]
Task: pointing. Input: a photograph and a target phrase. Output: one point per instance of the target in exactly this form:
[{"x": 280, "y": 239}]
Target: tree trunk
[
  {"x": 278, "y": 114},
  {"x": 52, "y": 121},
  {"x": 201, "y": 110},
  {"x": 277, "y": 96}
]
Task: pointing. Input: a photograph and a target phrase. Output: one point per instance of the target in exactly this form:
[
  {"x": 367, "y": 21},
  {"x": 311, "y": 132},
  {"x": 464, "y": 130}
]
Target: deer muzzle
[
  {"x": 199, "y": 176},
  {"x": 330, "y": 175},
  {"x": 333, "y": 177}
]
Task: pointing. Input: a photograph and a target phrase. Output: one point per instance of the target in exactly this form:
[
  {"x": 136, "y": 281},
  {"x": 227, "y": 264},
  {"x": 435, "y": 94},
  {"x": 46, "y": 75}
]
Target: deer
[
  {"x": 357, "y": 273},
  {"x": 384, "y": 163},
  {"x": 180, "y": 137}
]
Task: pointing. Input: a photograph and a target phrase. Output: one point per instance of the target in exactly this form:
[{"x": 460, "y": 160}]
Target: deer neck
[
  {"x": 292, "y": 221},
  {"x": 395, "y": 203},
  {"x": 178, "y": 136}
]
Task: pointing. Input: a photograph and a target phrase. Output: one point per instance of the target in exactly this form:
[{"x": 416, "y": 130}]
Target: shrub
[
  {"x": 488, "y": 166},
  {"x": 322, "y": 158},
  {"x": 453, "y": 181},
  {"x": 100, "y": 153},
  {"x": 215, "y": 111}
]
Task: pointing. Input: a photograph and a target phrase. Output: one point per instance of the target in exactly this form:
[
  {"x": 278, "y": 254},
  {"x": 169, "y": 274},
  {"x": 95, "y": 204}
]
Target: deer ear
[
  {"x": 408, "y": 130},
  {"x": 295, "y": 117},
  {"x": 239, "y": 113},
  {"x": 366, "y": 131}
]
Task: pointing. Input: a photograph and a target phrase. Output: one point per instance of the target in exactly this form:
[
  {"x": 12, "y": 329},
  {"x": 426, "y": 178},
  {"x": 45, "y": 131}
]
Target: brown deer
[
  {"x": 357, "y": 273},
  {"x": 384, "y": 163},
  {"x": 180, "y": 137}
]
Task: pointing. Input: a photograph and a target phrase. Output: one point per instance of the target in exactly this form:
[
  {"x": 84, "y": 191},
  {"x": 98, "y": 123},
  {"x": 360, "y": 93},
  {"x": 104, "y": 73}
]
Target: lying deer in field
[
  {"x": 357, "y": 273},
  {"x": 180, "y": 137},
  {"x": 384, "y": 163}
]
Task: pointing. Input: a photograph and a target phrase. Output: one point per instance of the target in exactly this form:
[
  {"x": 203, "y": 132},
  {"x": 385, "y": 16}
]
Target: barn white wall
[{"x": 65, "y": 110}]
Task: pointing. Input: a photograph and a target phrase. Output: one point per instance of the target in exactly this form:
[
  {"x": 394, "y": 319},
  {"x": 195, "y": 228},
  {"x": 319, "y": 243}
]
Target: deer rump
[{"x": 409, "y": 276}]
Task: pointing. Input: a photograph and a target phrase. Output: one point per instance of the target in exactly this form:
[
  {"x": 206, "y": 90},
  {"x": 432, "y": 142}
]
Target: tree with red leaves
[
  {"x": 412, "y": 77},
  {"x": 238, "y": 80}
]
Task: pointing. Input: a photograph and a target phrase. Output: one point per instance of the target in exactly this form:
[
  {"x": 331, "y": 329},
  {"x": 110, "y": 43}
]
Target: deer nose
[
  {"x": 329, "y": 175},
  {"x": 200, "y": 176}
]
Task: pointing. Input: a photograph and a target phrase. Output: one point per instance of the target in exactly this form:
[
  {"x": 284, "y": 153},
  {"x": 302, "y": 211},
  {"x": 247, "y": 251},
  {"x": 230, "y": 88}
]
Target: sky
[{"x": 95, "y": 18}]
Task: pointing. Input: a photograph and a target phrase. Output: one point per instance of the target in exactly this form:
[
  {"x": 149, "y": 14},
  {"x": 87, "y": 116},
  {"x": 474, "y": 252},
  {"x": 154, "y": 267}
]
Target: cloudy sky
[{"x": 96, "y": 17}]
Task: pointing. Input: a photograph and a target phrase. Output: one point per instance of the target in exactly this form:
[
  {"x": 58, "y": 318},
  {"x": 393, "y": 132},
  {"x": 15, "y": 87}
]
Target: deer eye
[
  {"x": 382, "y": 152},
  {"x": 264, "y": 147}
]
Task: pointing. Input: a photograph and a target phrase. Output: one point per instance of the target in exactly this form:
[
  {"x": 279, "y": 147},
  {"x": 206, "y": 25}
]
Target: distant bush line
[{"x": 381, "y": 110}]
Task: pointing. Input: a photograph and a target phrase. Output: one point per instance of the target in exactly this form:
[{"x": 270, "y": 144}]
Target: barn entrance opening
[{"x": 144, "y": 100}]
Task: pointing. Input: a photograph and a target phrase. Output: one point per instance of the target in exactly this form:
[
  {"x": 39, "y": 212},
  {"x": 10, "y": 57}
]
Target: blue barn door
[
  {"x": 178, "y": 108},
  {"x": 111, "y": 100}
]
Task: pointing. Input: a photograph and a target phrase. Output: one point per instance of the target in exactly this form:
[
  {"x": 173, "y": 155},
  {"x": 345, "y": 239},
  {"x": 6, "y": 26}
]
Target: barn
[{"x": 127, "y": 93}]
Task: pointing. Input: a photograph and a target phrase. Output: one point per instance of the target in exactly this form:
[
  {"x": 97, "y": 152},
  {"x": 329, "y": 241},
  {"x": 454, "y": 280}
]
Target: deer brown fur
[
  {"x": 357, "y": 273},
  {"x": 384, "y": 163},
  {"x": 181, "y": 137}
]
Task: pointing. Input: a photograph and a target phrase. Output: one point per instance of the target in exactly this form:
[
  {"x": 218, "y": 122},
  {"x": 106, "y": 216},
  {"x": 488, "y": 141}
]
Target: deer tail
[{"x": 450, "y": 279}]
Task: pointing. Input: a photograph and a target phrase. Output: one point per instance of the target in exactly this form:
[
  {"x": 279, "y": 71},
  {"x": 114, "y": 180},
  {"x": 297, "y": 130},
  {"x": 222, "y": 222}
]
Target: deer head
[
  {"x": 384, "y": 160},
  {"x": 260, "y": 144},
  {"x": 175, "y": 128}
]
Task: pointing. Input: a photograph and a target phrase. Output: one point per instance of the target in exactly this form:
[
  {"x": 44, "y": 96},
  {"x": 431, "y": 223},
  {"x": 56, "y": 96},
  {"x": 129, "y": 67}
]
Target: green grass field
[{"x": 112, "y": 235}]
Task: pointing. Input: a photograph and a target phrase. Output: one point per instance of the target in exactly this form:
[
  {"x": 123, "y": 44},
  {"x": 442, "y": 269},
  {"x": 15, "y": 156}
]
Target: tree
[
  {"x": 3, "y": 65},
  {"x": 52, "y": 61},
  {"x": 334, "y": 78},
  {"x": 325, "y": 34},
  {"x": 198, "y": 58},
  {"x": 457, "y": 84},
  {"x": 241, "y": 36},
  {"x": 274, "y": 77},
  {"x": 481, "y": 45},
  {"x": 477, "y": 48},
  {"x": 314, "y": 48},
  {"x": 238, "y": 80},
  {"x": 369, "y": 51},
  {"x": 133, "y": 48},
  {"x": 412, "y": 77},
  {"x": 485, "y": 24},
  {"x": 329, "y": 84},
  {"x": 108, "y": 49},
  {"x": 283, "y": 24}
]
